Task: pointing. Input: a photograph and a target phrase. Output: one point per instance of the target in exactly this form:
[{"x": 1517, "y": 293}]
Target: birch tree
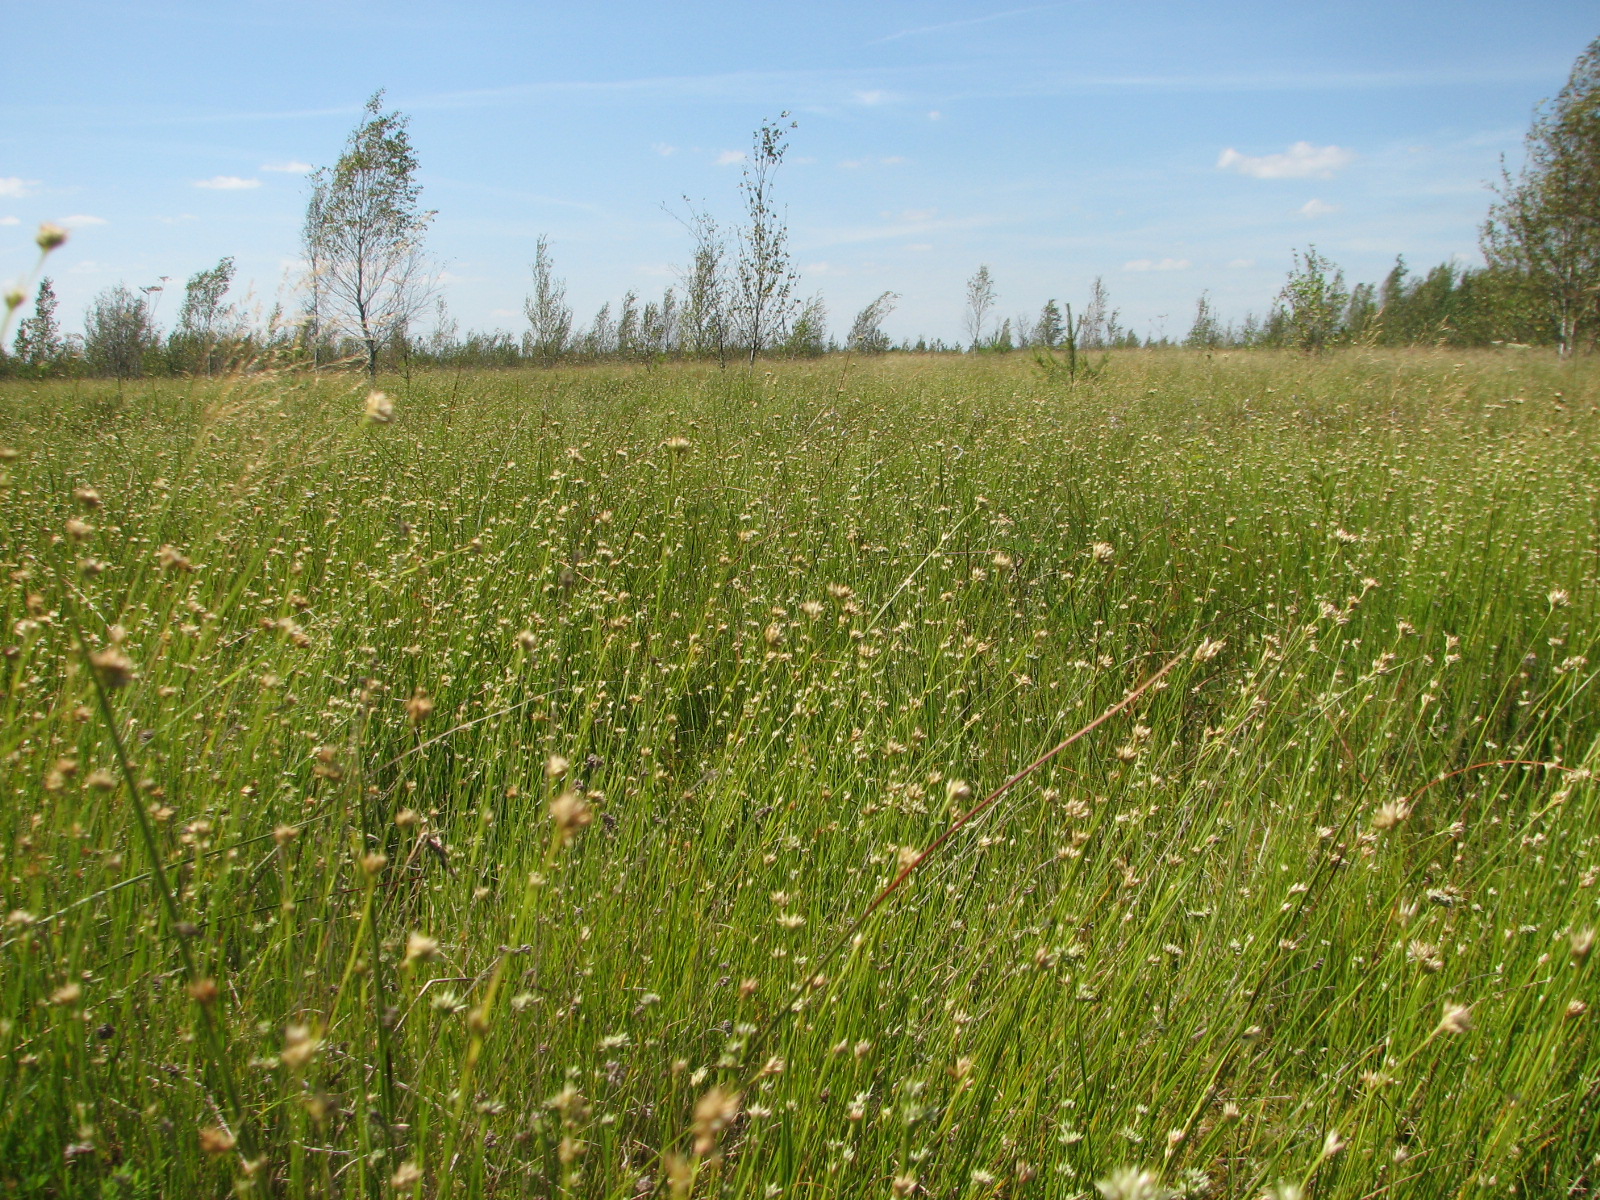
[{"x": 363, "y": 236}]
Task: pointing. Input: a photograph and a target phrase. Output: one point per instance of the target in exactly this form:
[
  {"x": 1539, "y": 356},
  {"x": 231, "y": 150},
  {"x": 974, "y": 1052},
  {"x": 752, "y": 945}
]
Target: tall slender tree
[
  {"x": 980, "y": 299},
  {"x": 1545, "y": 225},
  {"x": 363, "y": 235},
  {"x": 866, "y": 331},
  {"x": 202, "y": 318},
  {"x": 549, "y": 317},
  {"x": 1049, "y": 330},
  {"x": 705, "y": 320},
  {"x": 1206, "y": 332},
  {"x": 764, "y": 276},
  {"x": 39, "y": 346}
]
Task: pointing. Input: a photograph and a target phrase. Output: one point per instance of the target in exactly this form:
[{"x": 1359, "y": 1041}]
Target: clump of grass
[{"x": 495, "y": 761}]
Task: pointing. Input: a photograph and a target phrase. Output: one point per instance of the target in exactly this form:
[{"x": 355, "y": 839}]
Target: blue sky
[{"x": 1168, "y": 147}]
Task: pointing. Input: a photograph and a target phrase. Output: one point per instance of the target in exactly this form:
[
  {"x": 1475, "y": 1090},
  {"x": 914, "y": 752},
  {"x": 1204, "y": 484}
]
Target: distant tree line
[{"x": 368, "y": 285}]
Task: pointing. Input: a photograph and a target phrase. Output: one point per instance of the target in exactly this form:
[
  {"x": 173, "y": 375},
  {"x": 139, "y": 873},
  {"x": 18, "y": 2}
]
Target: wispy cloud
[
  {"x": 892, "y": 160},
  {"x": 904, "y": 227},
  {"x": 966, "y": 24},
  {"x": 16, "y": 188},
  {"x": 1301, "y": 161},
  {"x": 664, "y": 150},
  {"x": 80, "y": 221},
  {"x": 875, "y": 96},
  {"x": 1317, "y": 208},
  {"x": 10, "y": 220},
  {"x": 292, "y": 167},
  {"x": 728, "y": 157},
  {"x": 1157, "y": 264},
  {"x": 1241, "y": 264},
  {"x": 227, "y": 183}
]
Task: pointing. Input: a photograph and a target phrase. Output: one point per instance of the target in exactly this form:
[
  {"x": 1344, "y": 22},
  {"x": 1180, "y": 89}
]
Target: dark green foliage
[
  {"x": 39, "y": 348},
  {"x": 119, "y": 333}
]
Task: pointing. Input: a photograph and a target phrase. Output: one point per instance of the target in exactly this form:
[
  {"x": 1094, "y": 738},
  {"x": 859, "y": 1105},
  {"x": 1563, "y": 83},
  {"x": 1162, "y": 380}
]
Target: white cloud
[
  {"x": 917, "y": 215},
  {"x": 10, "y": 220},
  {"x": 1157, "y": 264},
  {"x": 934, "y": 114},
  {"x": 80, "y": 221},
  {"x": 504, "y": 312},
  {"x": 227, "y": 183},
  {"x": 10, "y": 185},
  {"x": 728, "y": 157},
  {"x": 664, "y": 150},
  {"x": 1241, "y": 264},
  {"x": 293, "y": 167},
  {"x": 919, "y": 247},
  {"x": 1317, "y": 208},
  {"x": 875, "y": 97},
  {"x": 893, "y": 160},
  {"x": 1301, "y": 161}
]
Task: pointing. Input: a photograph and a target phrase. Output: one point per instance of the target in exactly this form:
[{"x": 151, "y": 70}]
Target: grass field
[{"x": 492, "y": 801}]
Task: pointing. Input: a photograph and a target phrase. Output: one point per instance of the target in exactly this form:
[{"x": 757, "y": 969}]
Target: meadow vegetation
[{"x": 484, "y": 788}]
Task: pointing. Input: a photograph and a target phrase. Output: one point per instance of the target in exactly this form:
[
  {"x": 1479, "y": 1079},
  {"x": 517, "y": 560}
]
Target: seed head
[
  {"x": 1457, "y": 1019},
  {"x": 79, "y": 530},
  {"x": 14, "y": 298},
  {"x": 406, "y": 1175},
  {"x": 1102, "y": 552},
  {"x": 570, "y": 812},
  {"x": 114, "y": 668},
  {"x": 380, "y": 409},
  {"x": 677, "y": 445},
  {"x": 1208, "y": 649},
  {"x": 299, "y": 1047},
  {"x": 215, "y": 1141},
  {"x": 171, "y": 558},
  {"x": 203, "y": 992},
  {"x": 713, "y": 1113},
  {"x": 420, "y": 948},
  {"x": 1582, "y": 943},
  {"x": 419, "y": 707},
  {"x": 1132, "y": 1183},
  {"x": 1391, "y": 814},
  {"x": 50, "y": 237},
  {"x": 67, "y": 995},
  {"x": 87, "y": 497}
]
